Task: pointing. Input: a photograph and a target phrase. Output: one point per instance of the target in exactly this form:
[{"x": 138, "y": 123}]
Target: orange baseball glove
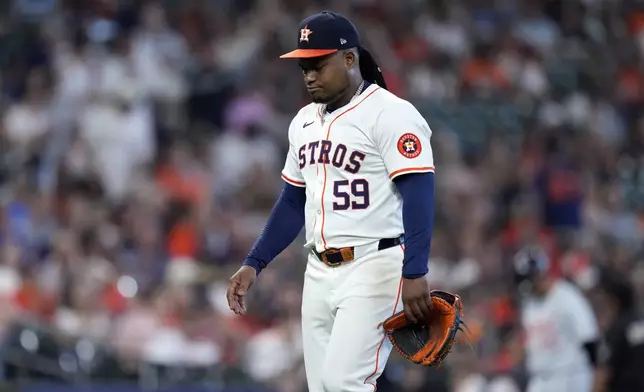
[{"x": 428, "y": 343}]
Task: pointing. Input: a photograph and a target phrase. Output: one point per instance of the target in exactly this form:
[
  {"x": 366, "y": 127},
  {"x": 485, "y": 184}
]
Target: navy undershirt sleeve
[
  {"x": 283, "y": 226},
  {"x": 417, "y": 192}
]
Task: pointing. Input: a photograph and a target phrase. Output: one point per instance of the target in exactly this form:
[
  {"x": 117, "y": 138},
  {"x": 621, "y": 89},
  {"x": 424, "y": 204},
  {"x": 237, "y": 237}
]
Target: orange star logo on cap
[{"x": 304, "y": 33}]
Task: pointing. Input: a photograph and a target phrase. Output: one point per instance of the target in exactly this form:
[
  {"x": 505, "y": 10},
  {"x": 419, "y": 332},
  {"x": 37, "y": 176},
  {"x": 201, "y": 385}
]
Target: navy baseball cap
[{"x": 322, "y": 34}]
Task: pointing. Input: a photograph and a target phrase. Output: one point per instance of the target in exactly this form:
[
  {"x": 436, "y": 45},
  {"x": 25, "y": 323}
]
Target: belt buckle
[
  {"x": 347, "y": 255},
  {"x": 326, "y": 260}
]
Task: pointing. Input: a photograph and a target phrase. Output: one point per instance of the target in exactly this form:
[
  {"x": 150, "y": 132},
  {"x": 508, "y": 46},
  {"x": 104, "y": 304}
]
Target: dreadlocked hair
[{"x": 369, "y": 68}]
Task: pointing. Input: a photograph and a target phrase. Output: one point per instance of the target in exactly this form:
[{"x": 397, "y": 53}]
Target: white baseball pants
[{"x": 345, "y": 350}]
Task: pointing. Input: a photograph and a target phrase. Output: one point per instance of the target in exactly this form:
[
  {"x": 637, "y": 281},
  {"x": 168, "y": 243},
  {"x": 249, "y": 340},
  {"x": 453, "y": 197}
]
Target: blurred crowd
[{"x": 141, "y": 144}]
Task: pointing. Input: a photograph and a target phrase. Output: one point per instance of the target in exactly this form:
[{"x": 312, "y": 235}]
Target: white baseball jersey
[
  {"x": 347, "y": 160},
  {"x": 557, "y": 326}
]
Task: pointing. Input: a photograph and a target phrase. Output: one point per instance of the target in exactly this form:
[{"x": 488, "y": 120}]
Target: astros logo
[
  {"x": 409, "y": 145},
  {"x": 304, "y": 34}
]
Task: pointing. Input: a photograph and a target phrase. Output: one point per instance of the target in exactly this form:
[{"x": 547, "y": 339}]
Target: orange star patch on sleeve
[{"x": 409, "y": 146}]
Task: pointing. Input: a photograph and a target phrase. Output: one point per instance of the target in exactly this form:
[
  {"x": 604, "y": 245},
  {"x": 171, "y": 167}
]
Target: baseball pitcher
[{"x": 359, "y": 177}]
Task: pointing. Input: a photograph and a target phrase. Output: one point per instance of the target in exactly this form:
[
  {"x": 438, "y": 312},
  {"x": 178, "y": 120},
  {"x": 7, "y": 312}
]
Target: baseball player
[
  {"x": 359, "y": 178},
  {"x": 561, "y": 332}
]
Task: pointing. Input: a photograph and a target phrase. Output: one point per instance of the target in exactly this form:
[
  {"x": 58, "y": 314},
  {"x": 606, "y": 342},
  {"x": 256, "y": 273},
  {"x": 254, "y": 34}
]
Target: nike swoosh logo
[{"x": 307, "y": 124}]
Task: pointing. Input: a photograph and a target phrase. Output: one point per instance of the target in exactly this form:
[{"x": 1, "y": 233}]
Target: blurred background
[{"x": 140, "y": 149}]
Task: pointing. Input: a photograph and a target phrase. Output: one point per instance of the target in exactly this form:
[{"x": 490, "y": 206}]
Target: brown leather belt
[{"x": 336, "y": 256}]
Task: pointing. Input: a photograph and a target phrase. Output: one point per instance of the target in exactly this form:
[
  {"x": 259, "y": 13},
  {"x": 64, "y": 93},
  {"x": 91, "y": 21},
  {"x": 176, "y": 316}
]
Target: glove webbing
[{"x": 447, "y": 348}]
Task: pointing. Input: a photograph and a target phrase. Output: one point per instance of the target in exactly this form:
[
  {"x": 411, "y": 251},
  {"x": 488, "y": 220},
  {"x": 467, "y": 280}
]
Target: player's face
[
  {"x": 531, "y": 285},
  {"x": 325, "y": 77},
  {"x": 541, "y": 286}
]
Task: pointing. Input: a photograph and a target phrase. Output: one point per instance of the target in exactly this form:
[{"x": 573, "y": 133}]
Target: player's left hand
[{"x": 416, "y": 299}]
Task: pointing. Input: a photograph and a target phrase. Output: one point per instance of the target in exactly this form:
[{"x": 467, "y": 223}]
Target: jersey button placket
[
  {"x": 320, "y": 196},
  {"x": 320, "y": 184},
  {"x": 318, "y": 221},
  {"x": 318, "y": 211}
]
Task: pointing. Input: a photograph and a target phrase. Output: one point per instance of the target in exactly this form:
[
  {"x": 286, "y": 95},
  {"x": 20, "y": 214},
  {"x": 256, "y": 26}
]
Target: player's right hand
[
  {"x": 238, "y": 286},
  {"x": 417, "y": 301}
]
